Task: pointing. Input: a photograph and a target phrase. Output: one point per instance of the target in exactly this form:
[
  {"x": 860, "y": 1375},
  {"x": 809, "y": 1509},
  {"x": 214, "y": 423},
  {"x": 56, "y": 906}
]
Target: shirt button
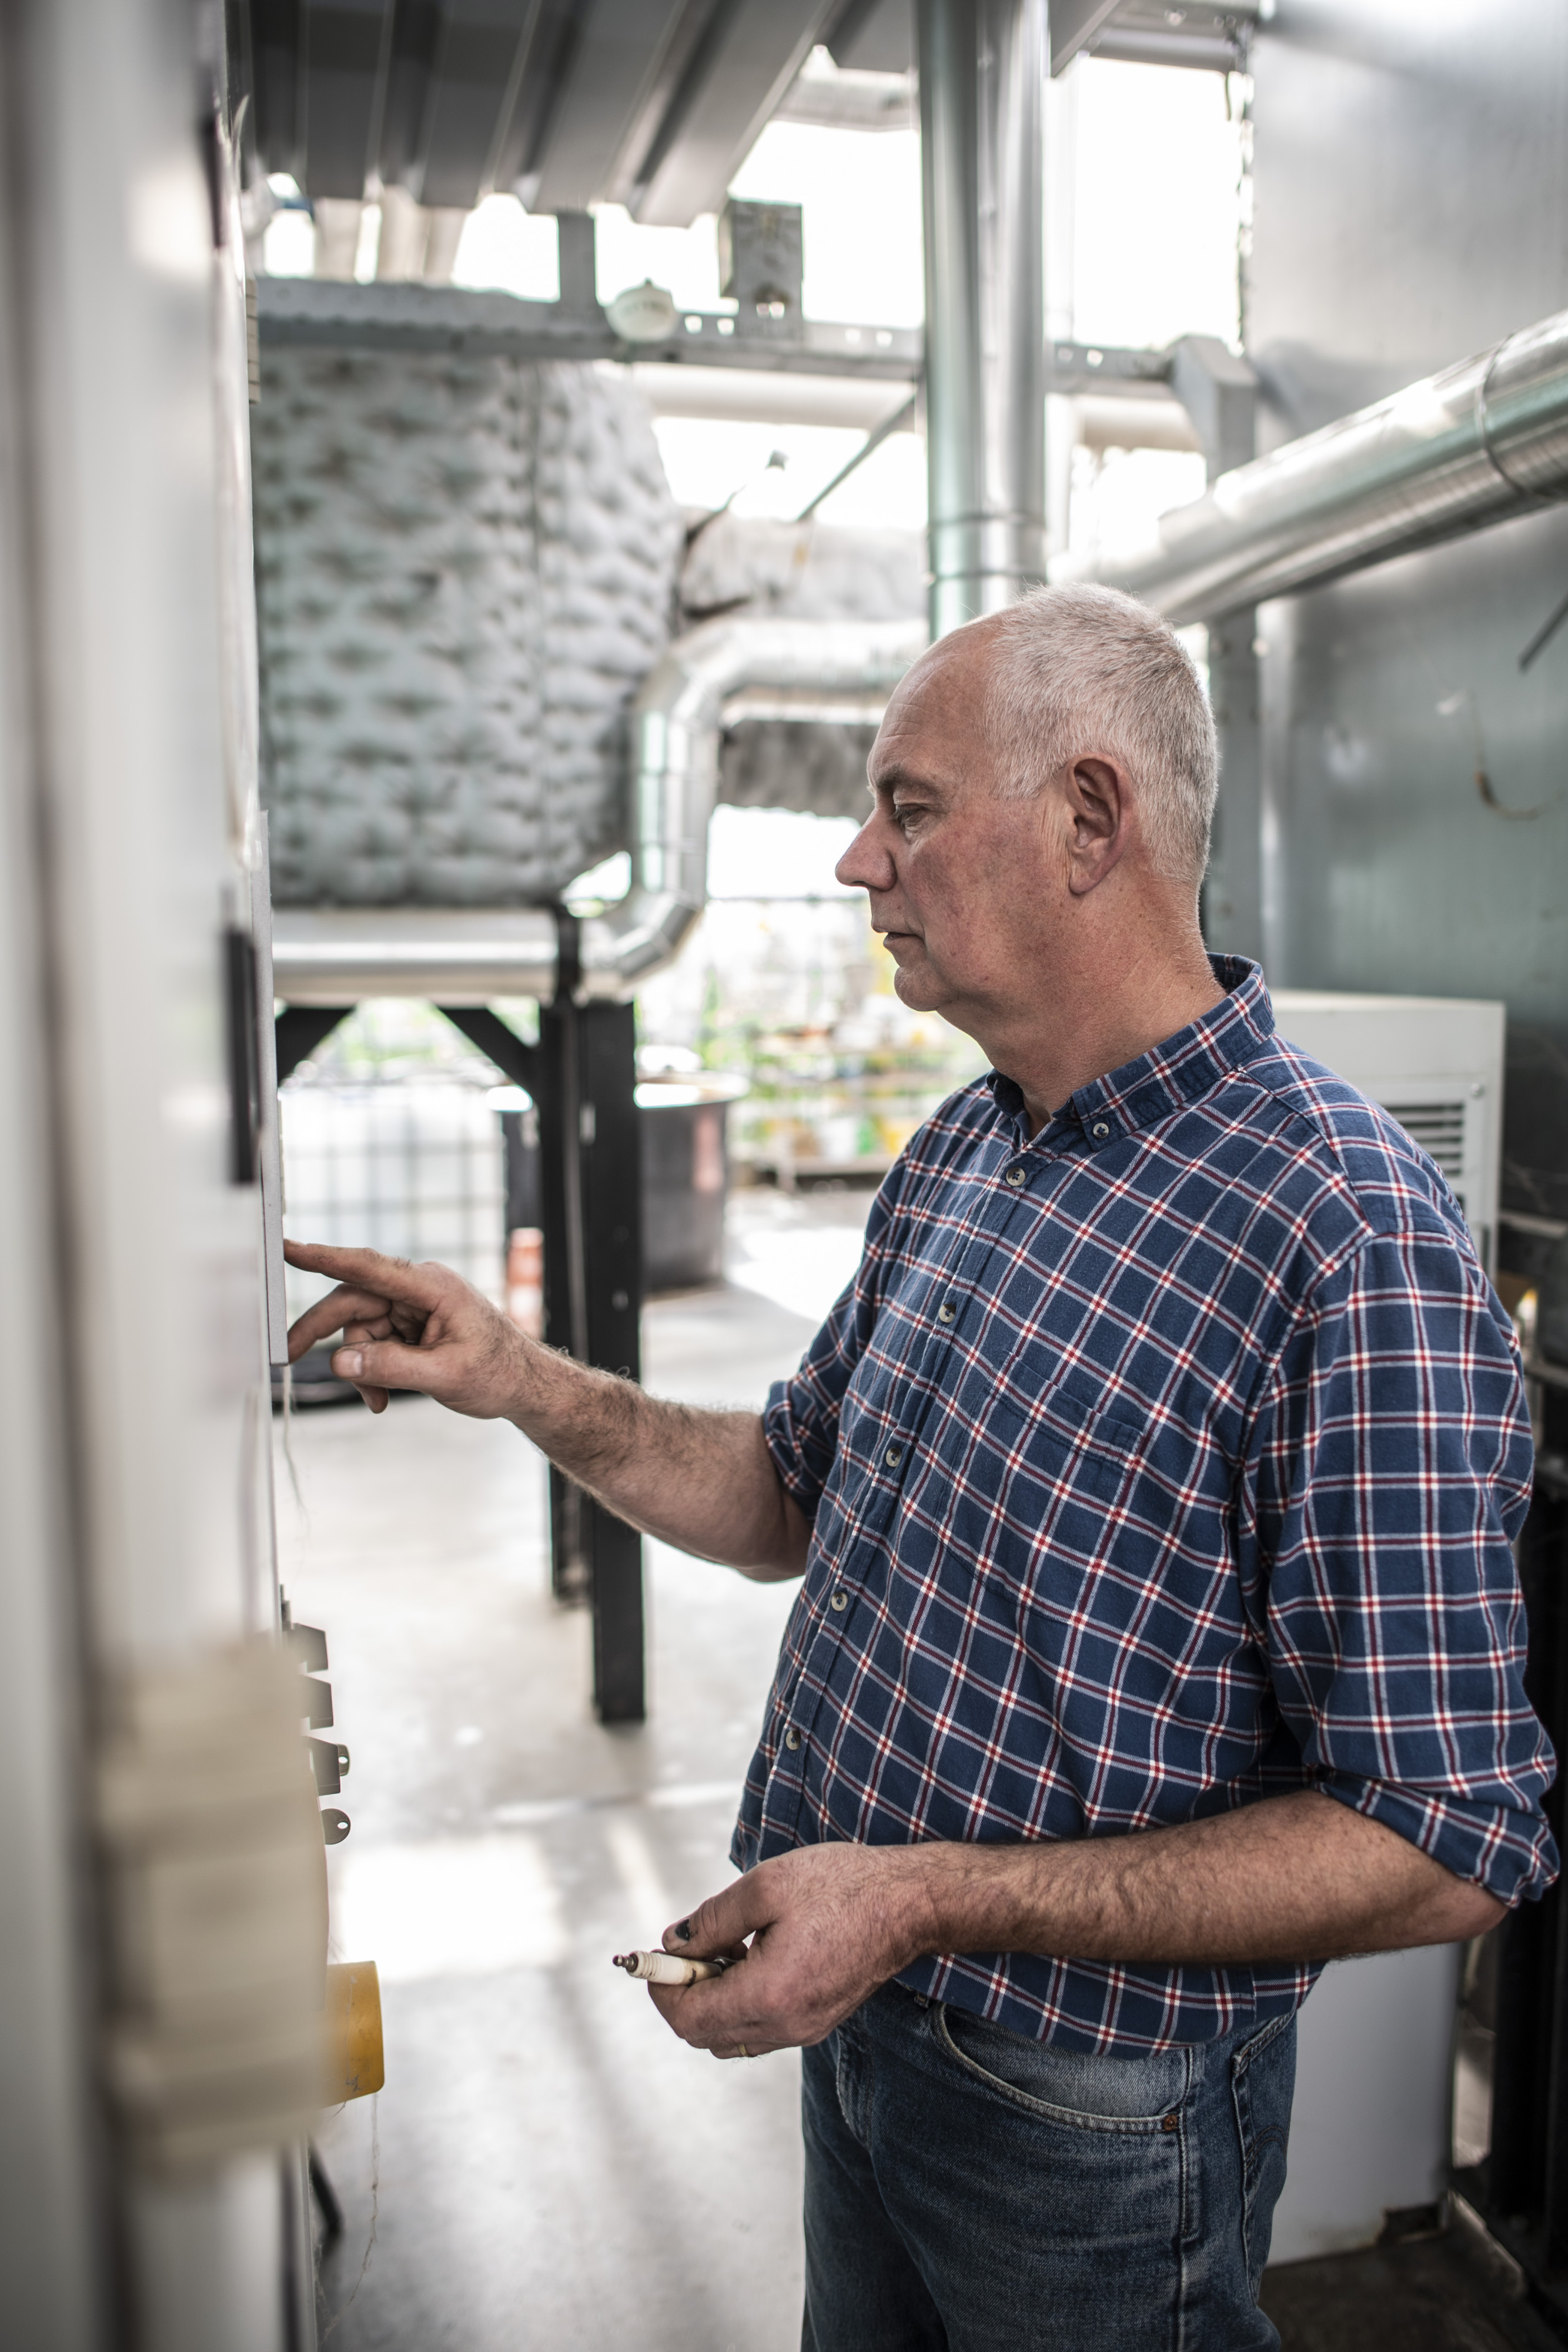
[
  {"x": 1015, "y": 1175},
  {"x": 791, "y": 1737},
  {"x": 840, "y": 1600},
  {"x": 1100, "y": 1127},
  {"x": 894, "y": 1457},
  {"x": 944, "y": 1314}
]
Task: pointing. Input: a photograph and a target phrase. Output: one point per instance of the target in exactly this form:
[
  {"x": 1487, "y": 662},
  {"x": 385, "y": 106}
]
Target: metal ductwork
[
  {"x": 982, "y": 83},
  {"x": 676, "y": 722},
  {"x": 1473, "y": 446},
  {"x": 471, "y": 956}
]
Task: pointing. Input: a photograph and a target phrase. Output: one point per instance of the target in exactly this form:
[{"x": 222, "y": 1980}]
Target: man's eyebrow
[{"x": 889, "y": 780}]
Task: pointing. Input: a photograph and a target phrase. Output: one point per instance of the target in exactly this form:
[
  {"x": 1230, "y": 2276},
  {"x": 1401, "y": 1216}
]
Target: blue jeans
[{"x": 969, "y": 2190}]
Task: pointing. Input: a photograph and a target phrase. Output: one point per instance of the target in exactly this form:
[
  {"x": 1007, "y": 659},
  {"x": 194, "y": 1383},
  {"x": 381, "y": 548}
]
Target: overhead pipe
[
  {"x": 1476, "y": 444},
  {"x": 795, "y": 669},
  {"x": 982, "y": 67},
  {"x": 677, "y": 722}
]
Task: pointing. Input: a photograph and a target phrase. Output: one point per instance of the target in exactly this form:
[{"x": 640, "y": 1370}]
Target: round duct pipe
[
  {"x": 982, "y": 86},
  {"x": 1479, "y": 443},
  {"x": 473, "y": 955},
  {"x": 675, "y": 722}
]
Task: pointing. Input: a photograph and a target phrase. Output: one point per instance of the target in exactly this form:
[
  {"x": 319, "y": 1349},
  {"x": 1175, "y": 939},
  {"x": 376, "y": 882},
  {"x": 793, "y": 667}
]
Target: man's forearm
[
  {"x": 704, "y": 1481},
  {"x": 1286, "y": 1882},
  {"x": 1293, "y": 1878}
]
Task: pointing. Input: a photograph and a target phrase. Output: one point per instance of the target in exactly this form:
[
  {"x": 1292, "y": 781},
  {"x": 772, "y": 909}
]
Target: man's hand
[
  {"x": 1289, "y": 1879},
  {"x": 828, "y": 1924},
  {"x": 702, "y": 1481},
  {"x": 412, "y": 1327}
]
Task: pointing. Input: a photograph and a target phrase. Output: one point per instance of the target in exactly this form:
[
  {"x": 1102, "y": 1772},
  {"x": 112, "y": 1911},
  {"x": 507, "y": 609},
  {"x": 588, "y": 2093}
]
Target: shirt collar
[{"x": 1169, "y": 1074}]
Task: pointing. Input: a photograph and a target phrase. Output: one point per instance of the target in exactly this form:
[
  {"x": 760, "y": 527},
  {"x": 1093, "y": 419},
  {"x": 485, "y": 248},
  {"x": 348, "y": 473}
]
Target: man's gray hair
[{"x": 1082, "y": 669}]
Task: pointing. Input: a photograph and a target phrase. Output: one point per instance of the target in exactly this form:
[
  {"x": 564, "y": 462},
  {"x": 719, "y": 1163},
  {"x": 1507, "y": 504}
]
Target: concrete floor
[
  {"x": 547, "y": 2166},
  {"x": 1456, "y": 2293}
]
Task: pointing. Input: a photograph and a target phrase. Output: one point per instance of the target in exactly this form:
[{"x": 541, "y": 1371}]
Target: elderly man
[{"x": 1153, "y": 1486}]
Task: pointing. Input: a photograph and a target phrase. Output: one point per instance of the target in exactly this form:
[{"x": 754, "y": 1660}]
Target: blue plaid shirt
[{"x": 1166, "y": 1461}]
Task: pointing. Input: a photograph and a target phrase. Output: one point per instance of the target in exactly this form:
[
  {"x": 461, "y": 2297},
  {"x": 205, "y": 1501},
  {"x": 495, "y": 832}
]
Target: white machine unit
[
  {"x": 1370, "y": 2132},
  {"x": 1436, "y": 1062}
]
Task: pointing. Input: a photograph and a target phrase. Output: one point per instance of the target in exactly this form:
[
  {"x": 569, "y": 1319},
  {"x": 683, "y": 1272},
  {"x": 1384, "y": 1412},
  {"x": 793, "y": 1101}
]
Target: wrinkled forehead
[{"x": 935, "y": 721}]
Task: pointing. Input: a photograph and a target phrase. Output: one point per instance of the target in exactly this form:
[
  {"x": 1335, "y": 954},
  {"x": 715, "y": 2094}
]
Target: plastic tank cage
[{"x": 417, "y": 1169}]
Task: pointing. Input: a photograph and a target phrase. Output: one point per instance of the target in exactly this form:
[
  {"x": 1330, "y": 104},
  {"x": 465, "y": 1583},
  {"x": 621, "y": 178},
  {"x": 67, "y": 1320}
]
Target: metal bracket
[
  {"x": 1218, "y": 391},
  {"x": 1130, "y": 374},
  {"x": 512, "y": 1054},
  {"x": 301, "y": 1029},
  {"x": 1147, "y": 31}
]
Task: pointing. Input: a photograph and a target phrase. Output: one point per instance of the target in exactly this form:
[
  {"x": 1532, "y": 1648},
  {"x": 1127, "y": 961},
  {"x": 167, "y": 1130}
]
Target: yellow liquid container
[{"x": 355, "y": 2064}]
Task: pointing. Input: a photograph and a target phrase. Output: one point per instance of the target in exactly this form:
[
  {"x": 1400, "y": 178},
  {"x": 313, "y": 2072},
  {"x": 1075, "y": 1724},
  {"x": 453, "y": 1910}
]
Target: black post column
[
  {"x": 1522, "y": 2186},
  {"x": 566, "y": 1302},
  {"x": 610, "y": 1161},
  {"x": 590, "y": 1181}
]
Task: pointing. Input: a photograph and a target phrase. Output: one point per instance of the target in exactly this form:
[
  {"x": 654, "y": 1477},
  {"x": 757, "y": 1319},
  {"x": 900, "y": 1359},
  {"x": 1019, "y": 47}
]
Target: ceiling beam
[{"x": 752, "y": 52}]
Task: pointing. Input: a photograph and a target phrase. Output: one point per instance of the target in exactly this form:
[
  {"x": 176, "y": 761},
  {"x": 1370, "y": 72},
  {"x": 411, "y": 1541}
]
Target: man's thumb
[
  {"x": 718, "y": 1926},
  {"x": 386, "y": 1364}
]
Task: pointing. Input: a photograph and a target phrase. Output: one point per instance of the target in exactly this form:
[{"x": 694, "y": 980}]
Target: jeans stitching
[
  {"x": 1190, "y": 2225},
  {"x": 1187, "y": 2228},
  {"x": 1124, "y": 2126},
  {"x": 1266, "y": 2034},
  {"x": 1252, "y": 2146},
  {"x": 843, "y": 2086}
]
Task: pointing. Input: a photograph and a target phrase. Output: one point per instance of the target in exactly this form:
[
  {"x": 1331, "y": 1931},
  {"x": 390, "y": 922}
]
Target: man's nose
[{"x": 867, "y": 862}]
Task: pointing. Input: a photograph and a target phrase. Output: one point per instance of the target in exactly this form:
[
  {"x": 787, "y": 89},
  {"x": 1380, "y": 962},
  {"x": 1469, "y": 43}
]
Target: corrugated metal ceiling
[{"x": 649, "y": 103}]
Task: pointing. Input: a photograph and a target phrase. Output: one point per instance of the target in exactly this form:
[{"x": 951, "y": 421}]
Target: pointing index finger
[{"x": 369, "y": 1270}]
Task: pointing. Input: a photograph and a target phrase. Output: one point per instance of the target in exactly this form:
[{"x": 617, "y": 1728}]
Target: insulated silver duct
[
  {"x": 471, "y": 956},
  {"x": 982, "y": 92},
  {"x": 1479, "y": 443},
  {"x": 675, "y": 724}
]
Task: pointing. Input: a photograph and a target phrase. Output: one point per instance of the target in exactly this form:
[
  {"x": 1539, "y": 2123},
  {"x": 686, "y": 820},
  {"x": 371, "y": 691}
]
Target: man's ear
[{"x": 1096, "y": 796}]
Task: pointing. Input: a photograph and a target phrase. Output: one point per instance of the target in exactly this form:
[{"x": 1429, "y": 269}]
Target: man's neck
[{"x": 1085, "y": 1026}]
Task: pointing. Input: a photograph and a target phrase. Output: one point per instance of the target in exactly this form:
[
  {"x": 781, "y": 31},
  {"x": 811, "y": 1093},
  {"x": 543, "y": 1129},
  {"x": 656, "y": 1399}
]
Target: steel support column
[
  {"x": 982, "y": 89},
  {"x": 612, "y": 1165},
  {"x": 1219, "y": 393},
  {"x": 1233, "y": 889},
  {"x": 591, "y": 1172}
]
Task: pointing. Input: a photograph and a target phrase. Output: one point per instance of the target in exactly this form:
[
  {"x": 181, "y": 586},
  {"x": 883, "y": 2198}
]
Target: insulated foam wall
[{"x": 465, "y": 567}]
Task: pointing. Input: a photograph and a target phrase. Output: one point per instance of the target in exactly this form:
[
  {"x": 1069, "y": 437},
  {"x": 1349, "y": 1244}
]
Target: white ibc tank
[{"x": 416, "y": 1170}]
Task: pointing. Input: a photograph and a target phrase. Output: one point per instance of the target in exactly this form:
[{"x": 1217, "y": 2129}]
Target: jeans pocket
[
  {"x": 1262, "y": 2085},
  {"x": 1081, "y": 2089}
]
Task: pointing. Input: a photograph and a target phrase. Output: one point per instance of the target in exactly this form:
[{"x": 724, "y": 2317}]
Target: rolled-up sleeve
[{"x": 1389, "y": 1473}]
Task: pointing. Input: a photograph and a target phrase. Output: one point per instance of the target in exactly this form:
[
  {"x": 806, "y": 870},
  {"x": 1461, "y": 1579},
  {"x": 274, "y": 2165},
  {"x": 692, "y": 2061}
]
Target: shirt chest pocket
[{"x": 1066, "y": 1436}]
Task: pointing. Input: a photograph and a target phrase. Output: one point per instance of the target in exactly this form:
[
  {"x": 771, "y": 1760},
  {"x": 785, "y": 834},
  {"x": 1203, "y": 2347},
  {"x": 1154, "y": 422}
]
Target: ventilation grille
[{"x": 1439, "y": 1129}]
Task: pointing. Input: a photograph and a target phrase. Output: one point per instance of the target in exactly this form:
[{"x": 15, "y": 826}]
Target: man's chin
[{"x": 917, "y": 986}]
